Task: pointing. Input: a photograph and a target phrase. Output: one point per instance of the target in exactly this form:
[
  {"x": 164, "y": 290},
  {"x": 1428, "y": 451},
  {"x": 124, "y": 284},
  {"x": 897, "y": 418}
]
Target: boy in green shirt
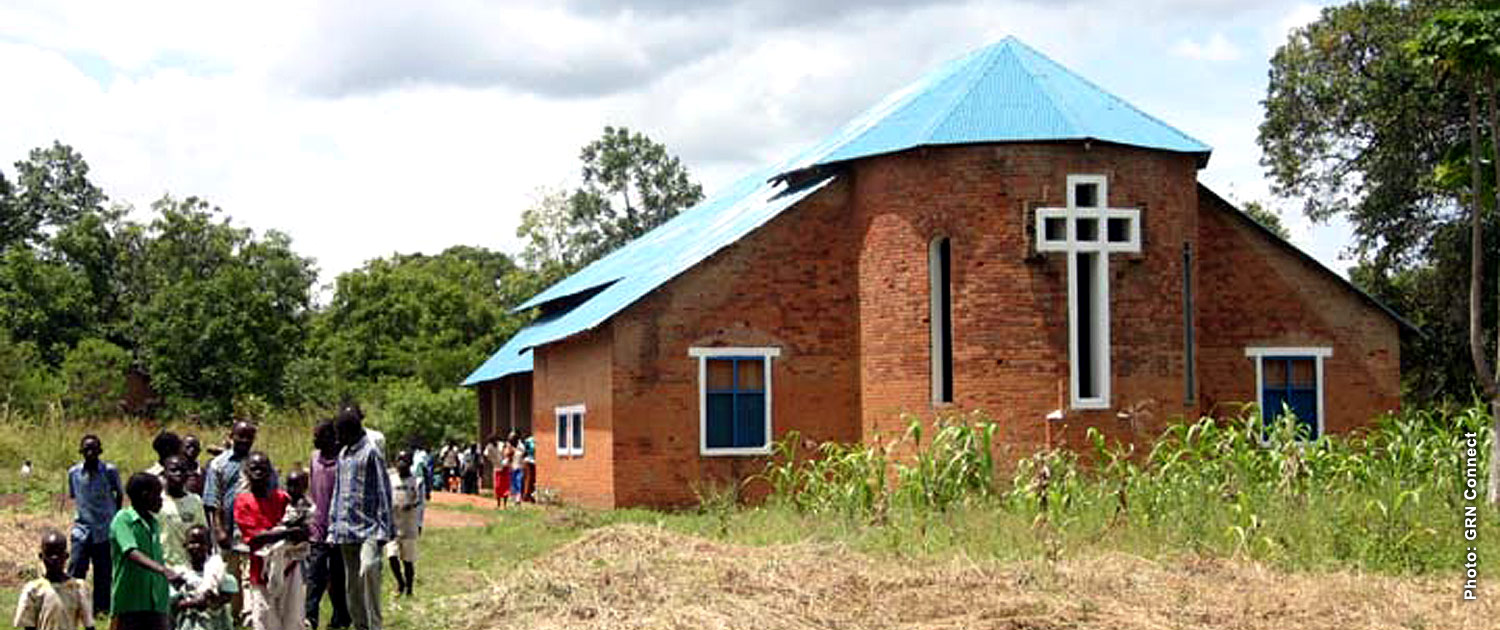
[{"x": 140, "y": 599}]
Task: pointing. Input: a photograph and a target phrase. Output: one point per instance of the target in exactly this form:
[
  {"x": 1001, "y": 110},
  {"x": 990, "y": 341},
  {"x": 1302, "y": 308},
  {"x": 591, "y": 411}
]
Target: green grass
[
  {"x": 52, "y": 447},
  {"x": 1388, "y": 501}
]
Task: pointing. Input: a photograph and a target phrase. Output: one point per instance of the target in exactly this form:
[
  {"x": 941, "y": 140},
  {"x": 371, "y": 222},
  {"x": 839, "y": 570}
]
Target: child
[
  {"x": 55, "y": 601},
  {"x": 497, "y": 453},
  {"x": 94, "y": 487},
  {"x": 202, "y": 602},
  {"x": 406, "y": 500},
  {"x": 259, "y": 514},
  {"x": 299, "y": 514},
  {"x": 517, "y": 468},
  {"x": 139, "y": 586},
  {"x": 180, "y": 511}
]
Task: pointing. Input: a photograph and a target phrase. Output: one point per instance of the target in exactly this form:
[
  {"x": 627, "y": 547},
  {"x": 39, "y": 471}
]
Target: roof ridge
[
  {"x": 992, "y": 57},
  {"x": 1112, "y": 96}
]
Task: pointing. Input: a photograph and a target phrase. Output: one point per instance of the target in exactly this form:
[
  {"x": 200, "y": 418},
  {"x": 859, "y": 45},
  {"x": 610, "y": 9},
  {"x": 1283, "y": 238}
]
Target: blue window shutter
[
  {"x": 1304, "y": 403},
  {"x": 1302, "y": 399},
  {"x": 750, "y": 420},
  {"x": 720, "y": 421}
]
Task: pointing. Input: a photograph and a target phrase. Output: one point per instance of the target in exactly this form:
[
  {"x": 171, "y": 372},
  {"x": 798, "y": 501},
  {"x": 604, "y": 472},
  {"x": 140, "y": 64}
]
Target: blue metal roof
[
  {"x": 646, "y": 263},
  {"x": 1005, "y": 92},
  {"x": 512, "y": 358}
]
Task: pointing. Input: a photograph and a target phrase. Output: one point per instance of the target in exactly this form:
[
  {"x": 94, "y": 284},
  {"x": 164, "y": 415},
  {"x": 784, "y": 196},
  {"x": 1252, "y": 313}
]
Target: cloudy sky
[{"x": 368, "y": 127}]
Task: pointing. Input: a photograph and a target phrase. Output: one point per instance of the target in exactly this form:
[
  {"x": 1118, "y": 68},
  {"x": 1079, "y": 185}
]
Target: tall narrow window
[
  {"x": 1090, "y": 351},
  {"x": 1189, "y": 360},
  {"x": 940, "y": 271}
]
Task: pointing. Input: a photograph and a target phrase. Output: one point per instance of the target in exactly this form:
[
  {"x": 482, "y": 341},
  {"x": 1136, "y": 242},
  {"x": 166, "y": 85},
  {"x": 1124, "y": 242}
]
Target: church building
[{"x": 1001, "y": 236}]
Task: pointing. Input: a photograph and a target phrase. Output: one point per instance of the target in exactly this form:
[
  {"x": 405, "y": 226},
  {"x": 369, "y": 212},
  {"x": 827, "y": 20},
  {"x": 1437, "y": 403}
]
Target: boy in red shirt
[{"x": 258, "y": 514}]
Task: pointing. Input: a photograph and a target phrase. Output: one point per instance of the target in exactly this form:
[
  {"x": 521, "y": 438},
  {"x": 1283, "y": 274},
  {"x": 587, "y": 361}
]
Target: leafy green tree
[
  {"x": 631, "y": 184},
  {"x": 413, "y": 411},
  {"x": 1464, "y": 44},
  {"x": 1354, "y": 126},
  {"x": 52, "y": 189},
  {"x": 43, "y": 302},
  {"x": 94, "y": 376},
  {"x": 28, "y": 386},
  {"x": 429, "y": 317},
  {"x": 1267, "y": 217},
  {"x": 554, "y": 246},
  {"x": 1359, "y": 125},
  {"x": 56, "y": 253},
  {"x": 218, "y": 310}
]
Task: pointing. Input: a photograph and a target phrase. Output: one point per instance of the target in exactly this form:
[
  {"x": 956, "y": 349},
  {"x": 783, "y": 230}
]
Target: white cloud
[
  {"x": 1298, "y": 16},
  {"x": 1216, "y": 48},
  {"x": 362, "y": 129}
]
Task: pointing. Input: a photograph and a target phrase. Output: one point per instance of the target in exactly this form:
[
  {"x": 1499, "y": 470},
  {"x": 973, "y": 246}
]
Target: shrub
[
  {"x": 409, "y": 410},
  {"x": 94, "y": 378},
  {"x": 28, "y": 388},
  {"x": 309, "y": 382}
]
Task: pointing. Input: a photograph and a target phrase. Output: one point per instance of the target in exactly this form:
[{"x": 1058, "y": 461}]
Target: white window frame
[
  {"x": 563, "y": 416},
  {"x": 1317, "y": 353},
  {"x": 1102, "y": 248},
  {"x": 703, "y": 355}
]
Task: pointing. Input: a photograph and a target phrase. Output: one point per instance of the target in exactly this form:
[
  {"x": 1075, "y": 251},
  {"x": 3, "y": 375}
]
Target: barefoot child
[
  {"x": 55, "y": 601},
  {"x": 406, "y": 499},
  {"x": 202, "y": 603}
]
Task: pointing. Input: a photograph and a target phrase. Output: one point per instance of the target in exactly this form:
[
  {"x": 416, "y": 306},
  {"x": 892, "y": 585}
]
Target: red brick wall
[
  {"x": 840, "y": 285},
  {"x": 788, "y": 285},
  {"x": 576, "y": 372},
  {"x": 1009, "y": 306},
  {"x": 1256, "y": 293}
]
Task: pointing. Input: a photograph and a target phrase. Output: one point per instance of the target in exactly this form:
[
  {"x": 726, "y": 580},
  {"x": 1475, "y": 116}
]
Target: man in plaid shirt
[{"x": 359, "y": 519}]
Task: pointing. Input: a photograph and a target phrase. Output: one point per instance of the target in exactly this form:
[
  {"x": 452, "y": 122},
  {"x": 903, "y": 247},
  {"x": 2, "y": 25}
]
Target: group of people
[
  {"x": 197, "y": 546},
  {"x": 512, "y": 463}
]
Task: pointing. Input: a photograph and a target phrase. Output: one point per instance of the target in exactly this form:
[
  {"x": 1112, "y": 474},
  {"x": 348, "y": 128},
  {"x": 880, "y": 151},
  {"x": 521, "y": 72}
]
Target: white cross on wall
[{"x": 1088, "y": 230}]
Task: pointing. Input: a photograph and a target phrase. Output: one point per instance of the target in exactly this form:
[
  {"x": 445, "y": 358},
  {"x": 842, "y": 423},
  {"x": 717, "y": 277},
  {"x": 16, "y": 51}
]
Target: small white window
[
  {"x": 570, "y": 430},
  {"x": 1290, "y": 379},
  {"x": 734, "y": 400}
]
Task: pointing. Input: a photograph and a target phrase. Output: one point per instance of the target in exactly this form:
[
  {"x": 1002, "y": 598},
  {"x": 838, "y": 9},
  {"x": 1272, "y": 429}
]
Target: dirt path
[{"x": 441, "y": 512}]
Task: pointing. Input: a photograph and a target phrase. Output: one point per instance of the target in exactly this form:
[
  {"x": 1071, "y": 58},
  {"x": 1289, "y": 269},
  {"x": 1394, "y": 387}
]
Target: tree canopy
[
  {"x": 431, "y": 317},
  {"x": 630, "y": 185},
  {"x": 221, "y": 319},
  {"x": 1359, "y": 124}
]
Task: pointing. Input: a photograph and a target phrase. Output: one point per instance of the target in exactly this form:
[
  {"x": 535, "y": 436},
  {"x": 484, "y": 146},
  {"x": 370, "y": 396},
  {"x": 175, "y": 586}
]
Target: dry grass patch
[
  {"x": 631, "y": 576},
  {"x": 20, "y": 534}
]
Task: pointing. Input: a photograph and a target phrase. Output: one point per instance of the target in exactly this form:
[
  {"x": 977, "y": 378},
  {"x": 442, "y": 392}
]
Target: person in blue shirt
[
  {"x": 94, "y": 487},
  {"x": 222, "y": 484},
  {"x": 360, "y": 517}
]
